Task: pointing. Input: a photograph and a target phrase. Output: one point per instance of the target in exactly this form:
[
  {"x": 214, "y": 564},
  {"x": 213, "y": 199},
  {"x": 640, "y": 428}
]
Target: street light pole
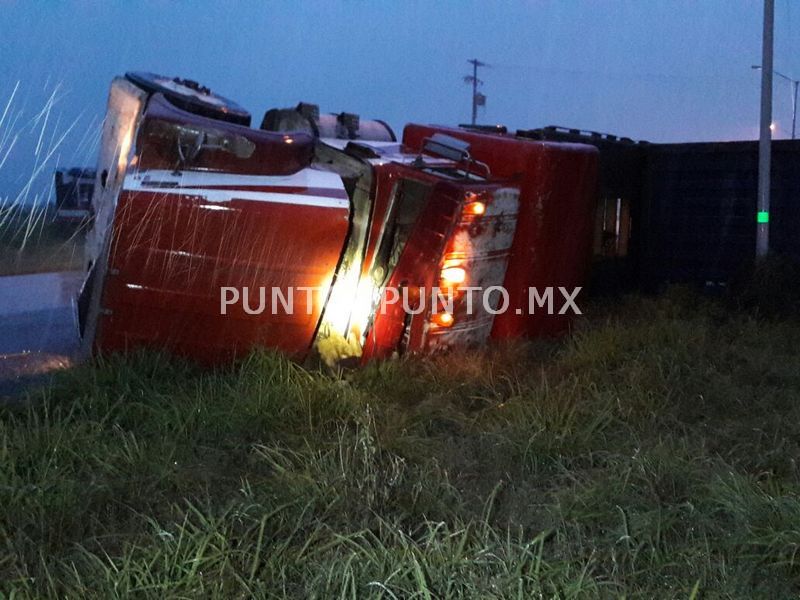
[
  {"x": 765, "y": 137},
  {"x": 794, "y": 83},
  {"x": 794, "y": 106}
]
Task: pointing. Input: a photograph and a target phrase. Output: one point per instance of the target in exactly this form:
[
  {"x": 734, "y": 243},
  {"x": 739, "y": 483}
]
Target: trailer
[{"x": 683, "y": 213}]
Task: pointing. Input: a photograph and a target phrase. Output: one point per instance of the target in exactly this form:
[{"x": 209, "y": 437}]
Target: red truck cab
[{"x": 319, "y": 235}]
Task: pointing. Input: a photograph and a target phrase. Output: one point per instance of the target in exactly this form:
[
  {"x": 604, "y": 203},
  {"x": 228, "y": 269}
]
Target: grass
[
  {"x": 32, "y": 242},
  {"x": 654, "y": 453}
]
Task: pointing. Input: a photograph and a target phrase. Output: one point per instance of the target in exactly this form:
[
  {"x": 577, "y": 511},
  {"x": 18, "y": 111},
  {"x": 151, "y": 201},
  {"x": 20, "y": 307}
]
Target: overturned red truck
[{"x": 322, "y": 234}]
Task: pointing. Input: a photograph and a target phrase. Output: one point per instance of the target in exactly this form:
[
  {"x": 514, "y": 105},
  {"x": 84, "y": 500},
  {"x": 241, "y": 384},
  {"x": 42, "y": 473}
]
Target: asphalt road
[{"x": 38, "y": 330}]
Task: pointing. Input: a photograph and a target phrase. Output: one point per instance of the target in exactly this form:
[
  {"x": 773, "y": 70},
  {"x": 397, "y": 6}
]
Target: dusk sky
[{"x": 667, "y": 70}]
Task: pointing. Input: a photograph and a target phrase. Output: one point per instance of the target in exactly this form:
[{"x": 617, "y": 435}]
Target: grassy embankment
[
  {"x": 30, "y": 242},
  {"x": 652, "y": 454}
]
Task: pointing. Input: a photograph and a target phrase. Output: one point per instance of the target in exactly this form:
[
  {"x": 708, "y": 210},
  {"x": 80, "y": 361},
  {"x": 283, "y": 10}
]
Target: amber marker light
[
  {"x": 475, "y": 208},
  {"x": 443, "y": 319},
  {"x": 451, "y": 276}
]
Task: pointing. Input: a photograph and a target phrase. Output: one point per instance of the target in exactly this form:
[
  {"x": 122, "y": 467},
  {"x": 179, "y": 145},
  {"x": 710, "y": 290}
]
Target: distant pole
[
  {"x": 473, "y": 79},
  {"x": 474, "y": 90},
  {"x": 765, "y": 139},
  {"x": 794, "y": 106}
]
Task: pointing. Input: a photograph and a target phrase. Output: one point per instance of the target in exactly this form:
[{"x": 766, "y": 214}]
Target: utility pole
[
  {"x": 477, "y": 98},
  {"x": 765, "y": 138},
  {"x": 794, "y": 106}
]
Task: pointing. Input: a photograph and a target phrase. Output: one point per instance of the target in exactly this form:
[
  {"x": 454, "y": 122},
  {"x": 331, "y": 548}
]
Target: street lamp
[{"x": 794, "y": 83}]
